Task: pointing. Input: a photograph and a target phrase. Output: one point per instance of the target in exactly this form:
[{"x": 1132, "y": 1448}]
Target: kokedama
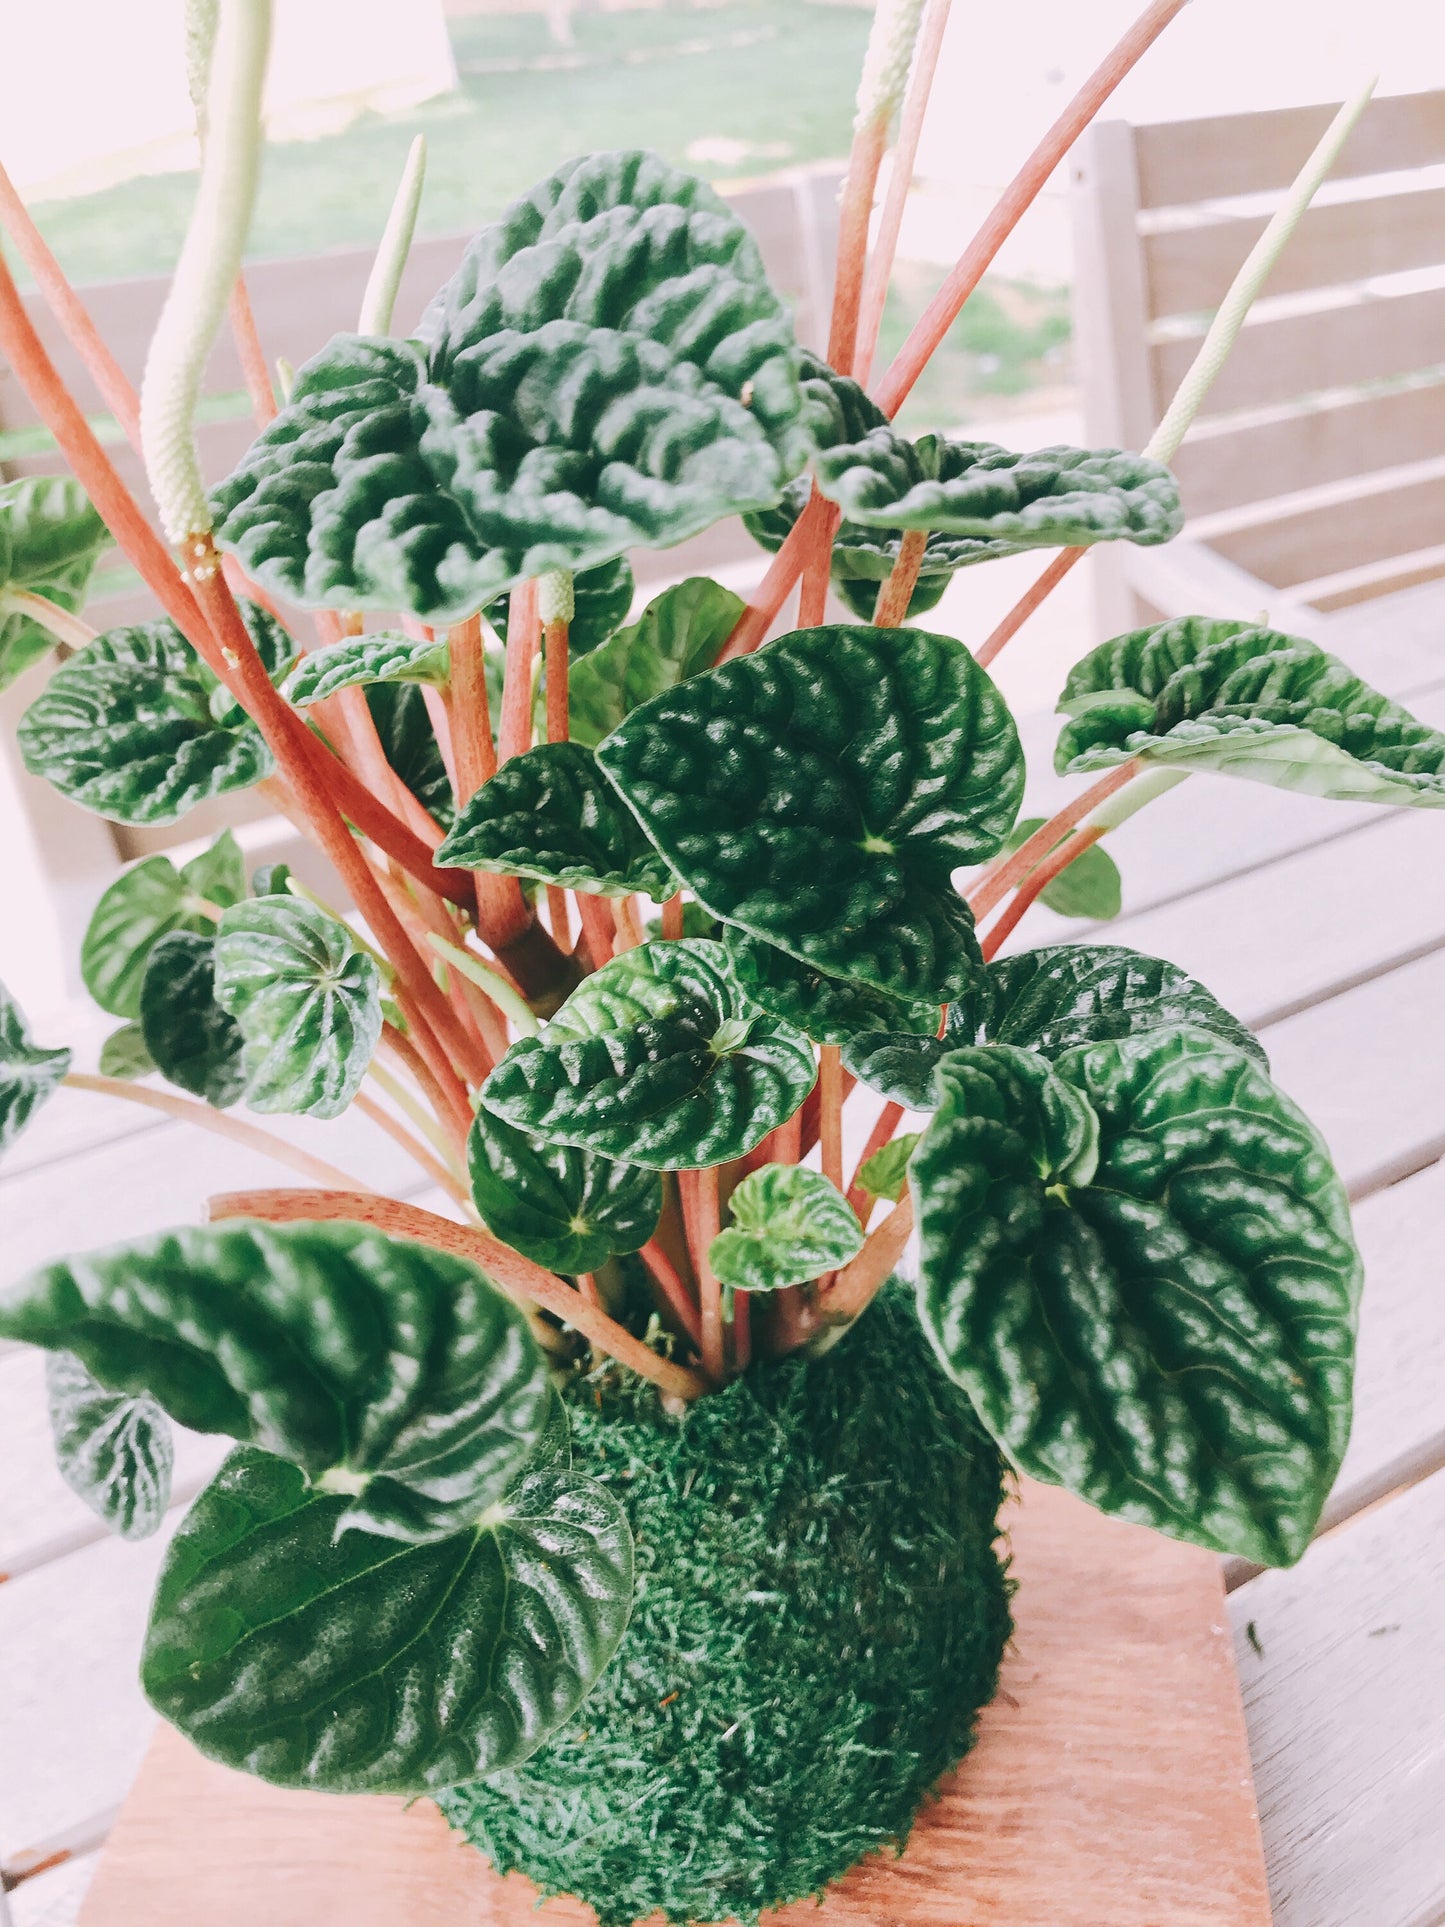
[{"x": 624, "y": 1505}]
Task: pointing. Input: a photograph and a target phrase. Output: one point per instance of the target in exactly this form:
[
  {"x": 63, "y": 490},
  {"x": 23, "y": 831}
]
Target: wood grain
[{"x": 1110, "y": 1788}]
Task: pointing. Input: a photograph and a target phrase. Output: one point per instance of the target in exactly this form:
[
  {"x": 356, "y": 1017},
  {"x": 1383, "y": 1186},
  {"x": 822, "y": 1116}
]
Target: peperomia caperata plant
[{"x": 529, "y": 1491}]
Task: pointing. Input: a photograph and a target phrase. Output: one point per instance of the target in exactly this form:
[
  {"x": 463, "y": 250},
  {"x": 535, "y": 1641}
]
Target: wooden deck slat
[{"x": 1345, "y": 1693}]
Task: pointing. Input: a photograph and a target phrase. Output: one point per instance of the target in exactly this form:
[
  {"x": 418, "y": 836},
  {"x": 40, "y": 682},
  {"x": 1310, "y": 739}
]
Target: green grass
[{"x": 774, "y": 76}]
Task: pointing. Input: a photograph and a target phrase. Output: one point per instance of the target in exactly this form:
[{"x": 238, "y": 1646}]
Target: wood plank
[
  {"x": 1345, "y": 1696},
  {"x": 1183, "y": 161},
  {"x": 1326, "y": 443},
  {"x": 1189, "y": 268},
  {"x": 1277, "y": 358},
  {"x": 1109, "y": 1789},
  {"x": 1389, "y": 515}
]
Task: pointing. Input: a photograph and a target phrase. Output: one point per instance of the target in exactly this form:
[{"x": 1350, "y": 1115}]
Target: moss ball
[{"x": 820, "y": 1614}]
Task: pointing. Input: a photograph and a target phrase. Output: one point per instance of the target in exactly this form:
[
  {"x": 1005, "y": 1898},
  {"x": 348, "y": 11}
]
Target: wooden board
[{"x": 1110, "y": 1788}]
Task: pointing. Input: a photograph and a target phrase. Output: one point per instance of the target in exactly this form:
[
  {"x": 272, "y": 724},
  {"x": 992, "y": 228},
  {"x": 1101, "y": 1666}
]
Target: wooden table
[{"x": 1321, "y": 924}]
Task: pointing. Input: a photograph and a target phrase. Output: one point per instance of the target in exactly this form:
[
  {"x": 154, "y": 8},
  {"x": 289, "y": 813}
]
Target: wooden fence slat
[
  {"x": 1189, "y": 269},
  {"x": 1345, "y": 1697},
  {"x": 1386, "y": 521},
  {"x": 1184, "y": 161}
]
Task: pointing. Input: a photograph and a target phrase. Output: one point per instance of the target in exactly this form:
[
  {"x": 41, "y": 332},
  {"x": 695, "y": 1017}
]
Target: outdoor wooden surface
[
  {"x": 1110, "y": 1788},
  {"x": 1321, "y": 924}
]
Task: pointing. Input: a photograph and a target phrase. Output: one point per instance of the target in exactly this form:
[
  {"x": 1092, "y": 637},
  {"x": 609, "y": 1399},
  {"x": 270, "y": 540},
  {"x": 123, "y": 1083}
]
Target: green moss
[{"x": 820, "y": 1613}]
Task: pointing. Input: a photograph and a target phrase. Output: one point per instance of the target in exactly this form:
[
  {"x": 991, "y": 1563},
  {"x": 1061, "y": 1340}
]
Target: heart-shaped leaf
[
  {"x": 834, "y": 1010},
  {"x": 146, "y": 903},
  {"x": 387, "y": 1368},
  {"x": 550, "y": 814},
  {"x": 678, "y": 635},
  {"x": 188, "y": 1036},
  {"x": 1167, "y": 1330},
  {"x": 135, "y": 727},
  {"x": 821, "y": 793},
  {"x": 1051, "y": 1001},
  {"x": 307, "y": 1002},
  {"x": 1247, "y": 701},
  {"x": 338, "y": 1661},
  {"x": 28, "y": 1074},
  {"x": 608, "y": 367},
  {"x": 601, "y": 599},
  {"x": 115, "y": 1452},
  {"x": 400, "y": 713},
  {"x": 50, "y": 538},
  {"x": 658, "y": 1059},
  {"x": 384, "y": 657},
  {"x": 272, "y": 880},
  {"x": 125, "y": 1054},
  {"x": 1090, "y": 886},
  {"x": 788, "y": 1224},
  {"x": 567, "y": 1209},
  {"x": 886, "y": 1172},
  {"x": 1053, "y": 498}
]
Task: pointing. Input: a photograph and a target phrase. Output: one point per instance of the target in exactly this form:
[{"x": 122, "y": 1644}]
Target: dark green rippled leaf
[
  {"x": 144, "y": 904},
  {"x": 114, "y": 1451},
  {"x": 1247, "y": 701},
  {"x": 28, "y": 1073},
  {"x": 821, "y": 793},
  {"x": 50, "y": 538},
  {"x": 383, "y": 657},
  {"x": 788, "y": 1224},
  {"x": 678, "y": 635},
  {"x": 306, "y": 999},
  {"x": 392, "y": 1373},
  {"x": 834, "y": 1010},
  {"x": 550, "y": 814},
  {"x": 1162, "y": 1320},
  {"x": 135, "y": 727},
  {"x": 189, "y": 1037},
  {"x": 607, "y": 368},
  {"x": 1049, "y": 1000},
  {"x": 659, "y": 1059},
  {"x": 567, "y": 1209}
]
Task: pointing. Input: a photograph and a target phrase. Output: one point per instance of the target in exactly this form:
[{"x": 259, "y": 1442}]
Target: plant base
[{"x": 820, "y": 1615}]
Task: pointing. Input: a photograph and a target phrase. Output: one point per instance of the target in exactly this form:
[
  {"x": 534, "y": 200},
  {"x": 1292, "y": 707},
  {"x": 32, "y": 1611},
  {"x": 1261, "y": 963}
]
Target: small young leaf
[
  {"x": 50, "y": 538},
  {"x": 600, "y": 601},
  {"x": 306, "y": 999},
  {"x": 188, "y": 1036},
  {"x": 1053, "y": 498},
  {"x": 124, "y": 1053},
  {"x": 821, "y": 793},
  {"x": 319, "y": 1658},
  {"x": 1050, "y": 1001},
  {"x": 679, "y": 634},
  {"x": 658, "y": 1059},
  {"x": 271, "y": 880},
  {"x": 1091, "y": 885},
  {"x": 392, "y": 1367},
  {"x": 399, "y": 711},
  {"x": 28, "y": 1074},
  {"x": 608, "y": 367},
  {"x": 115, "y": 1452},
  {"x": 1167, "y": 1331},
  {"x": 567, "y": 1209},
  {"x": 550, "y": 814},
  {"x": 135, "y": 727},
  {"x": 146, "y": 903},
  {"x": 1247, "y": 701},
  {"x": 788, "y": 1225},
  {"x": 358, "y": 660},
  {"x": 834, "y": 1010},
  {"x": 886, "y": 1172}
]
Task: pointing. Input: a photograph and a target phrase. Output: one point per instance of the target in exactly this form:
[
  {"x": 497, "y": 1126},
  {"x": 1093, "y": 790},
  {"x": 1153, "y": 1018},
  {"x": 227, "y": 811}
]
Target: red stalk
[
  {"x": 471, "y": 715},
  {"x": 1037, "y": 881},
  {"x": 742, "y": 1331},
  {"x": 597, "y": 927},
  {"x": 557, "y": 662},
  {"x": 523, "y": 635},
  {"x": 1052, "y": 576},
  {"x": 672, "y": 925},
  {"x": 897, "y": 592},
  {"x": 854, "y": 215},
  {"x": 706, "y": 1217},
  {"x": 254, "y": 371},
  {"x": 830, "y": 1112},
  {"x": 1014, "y": 203},
  {"x": 670, "y": 1284},
  {"x": 995, "y": 883},
  {"x": 508, "y": 1268},
  {"x": 751, "y": 629},
  {"x": 889, "y": 1118}
]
